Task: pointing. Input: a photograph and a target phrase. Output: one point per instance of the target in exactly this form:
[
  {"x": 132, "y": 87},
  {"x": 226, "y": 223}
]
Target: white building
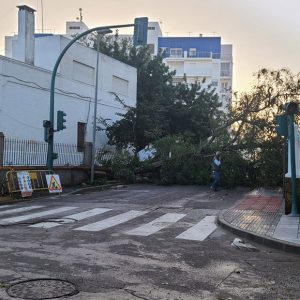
[
  {"x": 195, "y": 59},
  {"x": 25, "y": 76}
]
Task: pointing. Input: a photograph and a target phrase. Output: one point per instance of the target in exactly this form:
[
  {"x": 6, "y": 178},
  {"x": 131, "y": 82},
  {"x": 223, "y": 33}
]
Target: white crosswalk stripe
[
  {"x": 156, "y": 225},
  {"x": 5, "y": 206},
  {"x": 18, "y": 210},
  {"x": 17, "y": 219},
  {"x": 71, "y": 218},
  {"x": 198, "y": 232},
  {"x": 201, "y": 230},
  {"x": 113, "y": 221}
]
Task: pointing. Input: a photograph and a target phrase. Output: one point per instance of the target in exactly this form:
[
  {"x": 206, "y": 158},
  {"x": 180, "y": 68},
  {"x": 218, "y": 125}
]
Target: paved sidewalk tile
[
  {"x": 287, "y": 229},
  {"x": 265, "y": 203},
  {"x": 264, "y": 216}
]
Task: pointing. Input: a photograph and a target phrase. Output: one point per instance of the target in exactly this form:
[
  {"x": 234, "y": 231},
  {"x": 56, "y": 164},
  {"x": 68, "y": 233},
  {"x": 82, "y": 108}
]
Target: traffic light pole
[
  {"x": 50, "y": 154},
  {"x": 294, "y": 209},
  {"x": 95, "y": 113}
]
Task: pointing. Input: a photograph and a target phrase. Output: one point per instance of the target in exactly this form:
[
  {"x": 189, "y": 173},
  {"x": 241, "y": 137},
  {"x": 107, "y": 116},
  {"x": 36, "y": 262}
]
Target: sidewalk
[{"x": 260, "y": 216}]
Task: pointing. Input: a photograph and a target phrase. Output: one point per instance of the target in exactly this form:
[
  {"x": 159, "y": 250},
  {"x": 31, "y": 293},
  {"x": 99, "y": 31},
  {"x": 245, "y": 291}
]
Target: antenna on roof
[{"x": 80, "y": 14}]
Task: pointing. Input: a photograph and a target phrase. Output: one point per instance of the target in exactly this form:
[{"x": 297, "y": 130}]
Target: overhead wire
[
  {"x": 62, "y": 92},
  {"x": 58, "y": 91}
]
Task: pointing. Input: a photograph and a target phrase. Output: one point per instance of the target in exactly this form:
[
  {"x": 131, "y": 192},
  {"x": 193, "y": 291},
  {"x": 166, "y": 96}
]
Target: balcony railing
[{"x": 186, "y": 54}]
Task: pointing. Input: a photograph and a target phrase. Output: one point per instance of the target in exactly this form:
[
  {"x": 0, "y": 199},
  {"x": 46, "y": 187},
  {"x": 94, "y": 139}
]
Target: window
[
  {"x": 151, "y": 28},
  {"x": 193, "y": 52},
  {"x": 151, "y": 48},
  {"x": 83, "y": 72},
  {"x": 176, "y": 52},
  {"x": 120, "y": 86},
  {"x": 74, "y": 27},
  {"x": 214, "y": 83},
  {"x": 225, "y": 69},
  {"x": 80, "y": 136},
  {"x": 225, "y": 87}
]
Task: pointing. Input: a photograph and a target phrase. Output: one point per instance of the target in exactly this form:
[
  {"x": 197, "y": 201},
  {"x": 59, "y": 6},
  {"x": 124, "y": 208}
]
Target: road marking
[
  {"x": 71, "y": 218},
  {"x": 13, "y": 220},
  {"x": 18, "y": 210},
  {"x": 156, "y": 225},
  {"x": 113, "y": 221},
  {"x": 200, "y": 231},
  {"x": 4, "y": 206}
]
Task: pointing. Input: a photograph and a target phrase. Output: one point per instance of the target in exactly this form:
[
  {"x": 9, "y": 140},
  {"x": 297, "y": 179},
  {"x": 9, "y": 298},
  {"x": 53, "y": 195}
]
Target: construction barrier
[{"x": 37, "y": 178}]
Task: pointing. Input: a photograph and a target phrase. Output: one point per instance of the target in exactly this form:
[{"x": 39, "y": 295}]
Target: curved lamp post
[{"x": 103, "y": 29}]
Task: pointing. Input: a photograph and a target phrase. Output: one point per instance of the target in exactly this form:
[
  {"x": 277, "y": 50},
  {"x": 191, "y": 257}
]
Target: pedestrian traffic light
[
  {"x": 282, "y": 125},
  {"x": 48, "y": 131},
  {"x": 61, "y": 120},
  {"x": 140, "y": 31}
]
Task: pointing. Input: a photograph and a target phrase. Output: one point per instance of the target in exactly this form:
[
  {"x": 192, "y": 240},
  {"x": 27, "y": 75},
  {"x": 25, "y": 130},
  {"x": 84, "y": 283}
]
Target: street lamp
[
  {"x": 140, "y": 32},
  {"x": 100, "y": 33}
]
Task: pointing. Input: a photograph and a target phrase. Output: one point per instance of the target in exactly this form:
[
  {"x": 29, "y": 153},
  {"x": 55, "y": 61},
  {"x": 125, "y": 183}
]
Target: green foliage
[
  {"x": 187, "y": 121},
  {"x": 181, "y": 162},
  {"x": 123, "y": 165},
  {"x": 236, "y": 170},
  {"x": 186, "y": 165}
]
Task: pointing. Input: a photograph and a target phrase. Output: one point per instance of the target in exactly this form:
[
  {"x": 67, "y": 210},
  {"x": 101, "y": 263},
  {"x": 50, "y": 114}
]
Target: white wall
[
  {"x": 24, "y": 93},
  {"x": 153, "y": 33}
]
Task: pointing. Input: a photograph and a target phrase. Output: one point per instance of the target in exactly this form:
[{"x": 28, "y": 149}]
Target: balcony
[
  {"x": 210, "y": 55},
  {"x": 166, "y": 53}
]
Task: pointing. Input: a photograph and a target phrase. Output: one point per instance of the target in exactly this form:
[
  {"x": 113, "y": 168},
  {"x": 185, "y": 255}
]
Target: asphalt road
[{"x": 139, "y": 242}]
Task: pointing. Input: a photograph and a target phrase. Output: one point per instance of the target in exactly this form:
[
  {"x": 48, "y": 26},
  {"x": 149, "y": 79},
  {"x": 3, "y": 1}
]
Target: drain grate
[{"x": 39, "y": 289}]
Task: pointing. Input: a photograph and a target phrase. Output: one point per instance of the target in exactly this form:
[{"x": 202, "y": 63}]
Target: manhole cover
[{"x": 38, "y": 289}]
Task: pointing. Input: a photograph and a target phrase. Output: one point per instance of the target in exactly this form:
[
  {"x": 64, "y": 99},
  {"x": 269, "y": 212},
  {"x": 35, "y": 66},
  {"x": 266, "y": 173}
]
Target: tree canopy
[
  {"x": 189, "y": 120},
  {"x": 162, "y": 108}
]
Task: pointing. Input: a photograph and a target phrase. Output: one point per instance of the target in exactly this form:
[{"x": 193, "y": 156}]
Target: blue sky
[{"x": 264, "y": 33}]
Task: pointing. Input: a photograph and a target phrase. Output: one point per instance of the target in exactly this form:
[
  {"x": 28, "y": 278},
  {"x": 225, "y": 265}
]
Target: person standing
[{"x": 216, "y": 166}]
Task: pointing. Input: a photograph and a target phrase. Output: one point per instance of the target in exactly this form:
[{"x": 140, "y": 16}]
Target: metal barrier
[
  {"x": 37, "y": 178},
  {"x": 18, "y": 152}
]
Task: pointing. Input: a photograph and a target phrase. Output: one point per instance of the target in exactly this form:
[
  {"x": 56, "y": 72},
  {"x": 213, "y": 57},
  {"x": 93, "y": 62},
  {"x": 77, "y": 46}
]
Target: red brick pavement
[{"x": 261, "y": 203}]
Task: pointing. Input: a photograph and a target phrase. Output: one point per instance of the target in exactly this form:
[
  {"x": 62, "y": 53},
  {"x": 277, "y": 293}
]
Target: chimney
[{"x": 25, "y": 48}]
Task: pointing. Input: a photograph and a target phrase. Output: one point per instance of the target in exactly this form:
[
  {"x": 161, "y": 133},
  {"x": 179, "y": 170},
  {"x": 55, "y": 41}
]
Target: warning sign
[
  {"x": 24, "y": 183},
  {"x": 54, "y": 185}
]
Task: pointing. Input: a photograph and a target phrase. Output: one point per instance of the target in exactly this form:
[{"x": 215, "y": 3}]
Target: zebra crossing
[{"x": 199, "y": 231}]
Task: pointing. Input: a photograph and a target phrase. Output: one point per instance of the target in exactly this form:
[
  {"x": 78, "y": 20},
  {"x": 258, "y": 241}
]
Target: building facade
[
  {"x": 195, "y": 59},
  {"x": 199, "y": 59},
  {"x": 25, "y": 76}
]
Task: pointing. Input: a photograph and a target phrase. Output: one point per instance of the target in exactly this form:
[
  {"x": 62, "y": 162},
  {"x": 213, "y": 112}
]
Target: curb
[
  {"x": 266, "y": 241},
  {"x": 8, "y": 200}
]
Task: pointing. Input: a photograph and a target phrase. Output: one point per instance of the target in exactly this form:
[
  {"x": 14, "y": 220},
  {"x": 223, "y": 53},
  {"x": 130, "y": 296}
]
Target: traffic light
[
  {"x": 48, "y": 131},
  {"x": 291, "y": 108},
  {"x": 61, "y": 120},
  {"x": 140, "y": 31},
  {"x": 282, "y": 125}
]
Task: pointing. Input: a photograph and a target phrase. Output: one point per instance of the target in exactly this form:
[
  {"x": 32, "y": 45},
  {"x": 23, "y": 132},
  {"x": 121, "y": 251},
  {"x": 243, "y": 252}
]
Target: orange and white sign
[{"x": 54, "y": 185}]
